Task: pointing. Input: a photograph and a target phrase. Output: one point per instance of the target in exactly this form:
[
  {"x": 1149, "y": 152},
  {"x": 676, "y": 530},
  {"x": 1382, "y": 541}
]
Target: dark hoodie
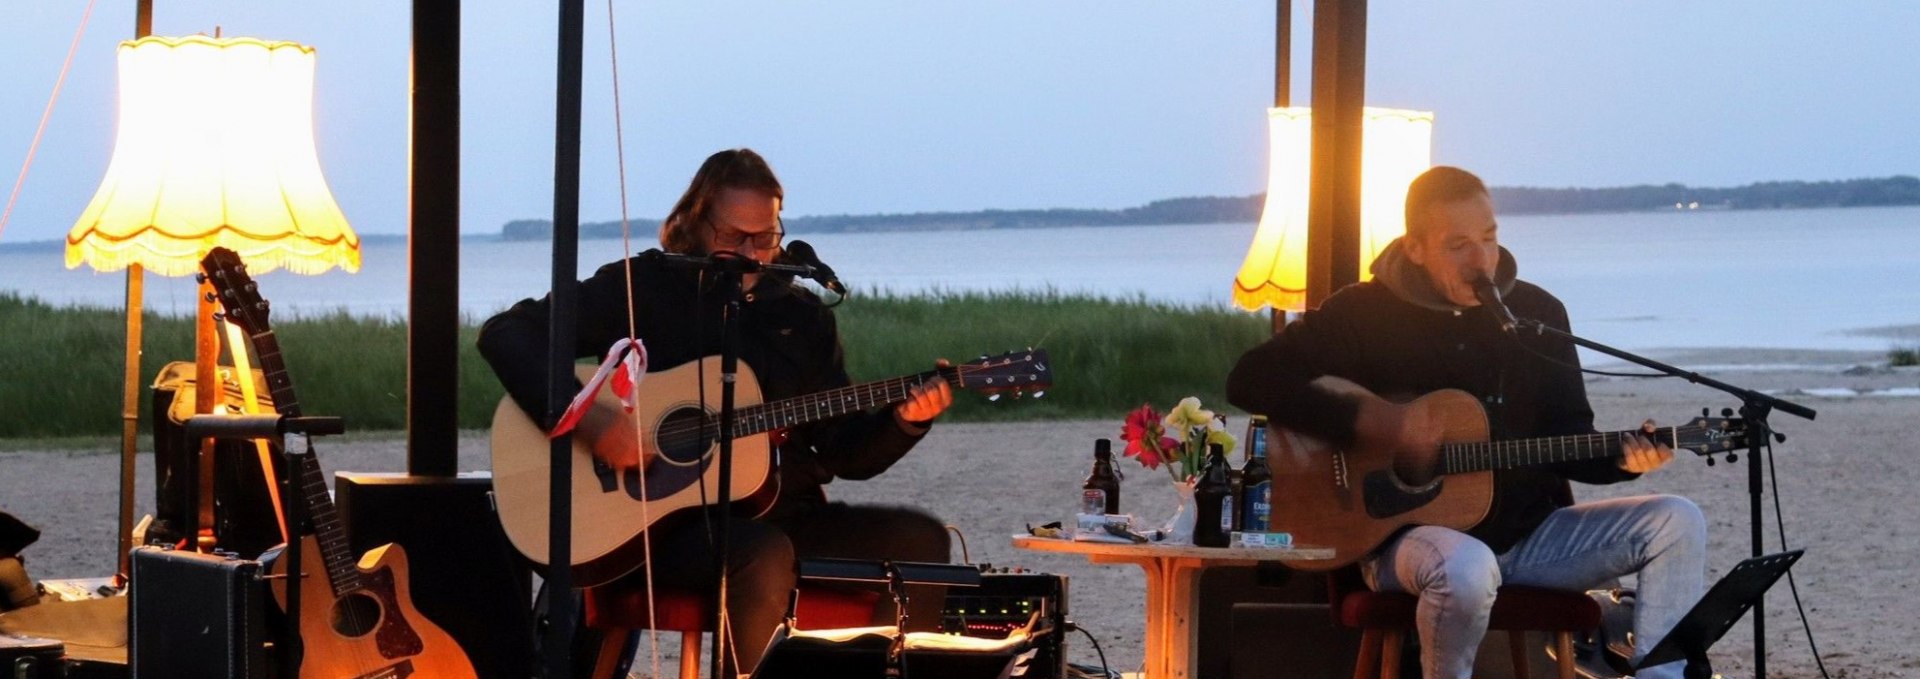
[{"x": 1397, "y": 336}]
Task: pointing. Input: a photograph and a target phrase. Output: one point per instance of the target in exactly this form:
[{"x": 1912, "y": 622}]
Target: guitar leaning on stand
[
  {"x": 1351, "y": 500},
  {"x": 358, "y": 620},
  {"x": 677, "y": 451}
]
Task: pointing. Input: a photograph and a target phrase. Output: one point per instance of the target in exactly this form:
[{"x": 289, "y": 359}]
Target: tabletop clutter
[{"x": 1220, "y": 506}]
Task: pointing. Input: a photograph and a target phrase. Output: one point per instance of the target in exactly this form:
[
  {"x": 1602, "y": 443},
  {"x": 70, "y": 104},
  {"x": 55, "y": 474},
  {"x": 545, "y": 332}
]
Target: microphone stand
[
  {"x": 1754, "y": 409},
  {"x": 727, "y": 270}
]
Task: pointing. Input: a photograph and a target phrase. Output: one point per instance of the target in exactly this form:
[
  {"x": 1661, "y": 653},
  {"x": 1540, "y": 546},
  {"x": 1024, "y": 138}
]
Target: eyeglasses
[{"x": 729, "y": 239}]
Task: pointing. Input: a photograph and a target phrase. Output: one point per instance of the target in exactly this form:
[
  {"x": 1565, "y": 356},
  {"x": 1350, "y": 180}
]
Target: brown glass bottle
[
  {"x": 1101, "y": 493},
  {"x": 1214, "y": 497}
]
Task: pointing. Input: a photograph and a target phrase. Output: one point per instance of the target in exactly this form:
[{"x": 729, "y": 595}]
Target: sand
[{"x": 1844, "y": 485}]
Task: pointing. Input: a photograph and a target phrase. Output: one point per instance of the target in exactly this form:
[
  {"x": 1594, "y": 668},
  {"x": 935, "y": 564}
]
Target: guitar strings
[
  {"x": 692, "y": 434},
  {"x": 1483, "y": 455}
]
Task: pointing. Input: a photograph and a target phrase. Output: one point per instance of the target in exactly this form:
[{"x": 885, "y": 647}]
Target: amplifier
[{"x": 1005, "y": 602}]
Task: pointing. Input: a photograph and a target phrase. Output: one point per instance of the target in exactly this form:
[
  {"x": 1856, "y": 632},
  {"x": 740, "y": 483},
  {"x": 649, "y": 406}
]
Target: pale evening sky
[{"x": 868, "y": 106}]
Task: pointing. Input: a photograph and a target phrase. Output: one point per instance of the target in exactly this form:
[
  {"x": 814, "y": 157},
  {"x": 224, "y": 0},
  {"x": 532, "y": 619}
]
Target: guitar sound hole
[
  {"x": 681, "y": 436},
  {"x": 356, "y": 615}
]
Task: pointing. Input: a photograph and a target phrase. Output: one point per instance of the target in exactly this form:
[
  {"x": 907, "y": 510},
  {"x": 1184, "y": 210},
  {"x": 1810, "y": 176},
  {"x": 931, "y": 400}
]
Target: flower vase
[{"x": 1179, "y": 529}]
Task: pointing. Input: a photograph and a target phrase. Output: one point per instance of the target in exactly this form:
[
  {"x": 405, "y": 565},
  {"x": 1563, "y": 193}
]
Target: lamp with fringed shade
[
  {"x": 1395, "y": 148},
  {"x": 215, "y": 148}
]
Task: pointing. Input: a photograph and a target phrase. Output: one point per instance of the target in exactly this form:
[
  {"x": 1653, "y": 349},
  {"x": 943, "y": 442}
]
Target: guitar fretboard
[
  {"x": 831, "y": 403},
  {"x": 1457, "y": 458},
  {"x": 329, "y": 532}
]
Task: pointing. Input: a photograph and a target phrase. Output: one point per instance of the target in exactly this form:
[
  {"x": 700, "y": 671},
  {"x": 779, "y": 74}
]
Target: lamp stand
[
  {"x": 129, "y": 419},
  {"x": 206, "y": 396}
]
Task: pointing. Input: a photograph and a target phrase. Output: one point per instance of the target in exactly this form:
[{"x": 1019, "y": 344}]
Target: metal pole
[
  {"x": 560, "y": 336},
  {"x": 1282, "y": 93},
  {"x": 433, "y": 242},
  {"x": 1339, "y": 89}
]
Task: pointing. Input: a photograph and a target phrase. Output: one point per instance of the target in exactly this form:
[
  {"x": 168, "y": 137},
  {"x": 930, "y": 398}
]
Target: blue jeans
[{"x": 1663, "y": 538}]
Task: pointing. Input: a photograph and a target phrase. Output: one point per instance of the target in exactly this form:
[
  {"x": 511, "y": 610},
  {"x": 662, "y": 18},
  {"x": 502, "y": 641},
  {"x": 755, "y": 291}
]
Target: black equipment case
[{"x": 198, "y": 615}]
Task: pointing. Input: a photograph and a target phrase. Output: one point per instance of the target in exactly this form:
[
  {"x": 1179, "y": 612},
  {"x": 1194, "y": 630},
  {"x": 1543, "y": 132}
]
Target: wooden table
[{"x": 1173, "y": 574}]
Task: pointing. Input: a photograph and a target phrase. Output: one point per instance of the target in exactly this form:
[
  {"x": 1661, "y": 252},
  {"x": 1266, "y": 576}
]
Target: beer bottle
[
  {"x": 1256, "y": 481},
  {"x": 1101, "y": 493},
  {"x": 1214, "y": 495}
]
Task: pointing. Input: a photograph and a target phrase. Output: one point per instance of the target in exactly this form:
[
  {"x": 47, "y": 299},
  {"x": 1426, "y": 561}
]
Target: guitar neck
[
  {"x": 328, "y": 531},
  {"x": 1460, "y": 458},
  {"x": 817, "y": 406}
]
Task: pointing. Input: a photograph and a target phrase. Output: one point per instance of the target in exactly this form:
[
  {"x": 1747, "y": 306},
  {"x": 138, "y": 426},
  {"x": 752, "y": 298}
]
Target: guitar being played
[
  {"x": 789, "y": 342},
  {"x": 1466, "y": 487}
]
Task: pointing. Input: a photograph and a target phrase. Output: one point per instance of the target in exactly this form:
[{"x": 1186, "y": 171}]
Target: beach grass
[
  {"x": 64, "y": 365},
  {"x": 1903, "y": 356}
]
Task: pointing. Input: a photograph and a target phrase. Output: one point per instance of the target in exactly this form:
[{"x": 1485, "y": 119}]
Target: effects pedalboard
[{"x": 1005, "y": 600}]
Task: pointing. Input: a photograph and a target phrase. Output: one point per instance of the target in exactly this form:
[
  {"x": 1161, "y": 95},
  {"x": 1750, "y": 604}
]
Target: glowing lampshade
[
  {"x": 1395, "y": 148},
  {"x": 215, "y": 148}
]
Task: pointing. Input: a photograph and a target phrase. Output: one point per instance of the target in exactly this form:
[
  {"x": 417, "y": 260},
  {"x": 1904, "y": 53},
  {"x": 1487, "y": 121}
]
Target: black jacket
[
  {"x": 1397, "y": 337},
  {"x": 787, "y": 337}
]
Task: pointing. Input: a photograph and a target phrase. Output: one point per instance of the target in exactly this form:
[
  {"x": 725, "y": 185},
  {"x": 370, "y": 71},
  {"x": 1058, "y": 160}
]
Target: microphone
[
  {"x": 802, "y": 253},
  {"x": 1489, "y": 296}
]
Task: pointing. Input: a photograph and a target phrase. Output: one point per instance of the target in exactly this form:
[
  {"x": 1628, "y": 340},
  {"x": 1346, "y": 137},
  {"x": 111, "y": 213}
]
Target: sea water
[{"x": 1812, "y": 279}]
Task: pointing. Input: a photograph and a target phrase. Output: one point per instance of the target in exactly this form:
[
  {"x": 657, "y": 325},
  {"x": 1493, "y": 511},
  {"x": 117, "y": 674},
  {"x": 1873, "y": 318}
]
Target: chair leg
[
  {"x": 1563, "y": 649},
  {"x": 1390, "y": 654},
  {"x": 690, "y": 655},
  {"x": 1517, "y": 652},
  {"x": 1363, "y": 667},
  {"x": 606, "y": 661}
]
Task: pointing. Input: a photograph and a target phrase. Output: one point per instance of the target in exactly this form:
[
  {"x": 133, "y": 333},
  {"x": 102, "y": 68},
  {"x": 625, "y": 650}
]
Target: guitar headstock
[
  {"x": 1016, "y": 372},
  {"x": 236, "y": 292},
  {"x": 1711, "y": 435}
]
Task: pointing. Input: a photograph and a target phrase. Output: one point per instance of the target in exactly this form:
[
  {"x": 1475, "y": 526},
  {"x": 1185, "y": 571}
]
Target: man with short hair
[{"x": 1413, "y": 329}]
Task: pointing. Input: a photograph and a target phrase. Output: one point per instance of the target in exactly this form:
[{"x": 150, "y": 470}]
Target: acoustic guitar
[
  {"x": 1352, "y": 501},
  {"x": 357, "y": 619},
  {"x": 679, "y": 448}
]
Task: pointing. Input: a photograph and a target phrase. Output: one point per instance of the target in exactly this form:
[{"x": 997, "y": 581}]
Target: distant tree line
[{"x": 1901, "y": 190}]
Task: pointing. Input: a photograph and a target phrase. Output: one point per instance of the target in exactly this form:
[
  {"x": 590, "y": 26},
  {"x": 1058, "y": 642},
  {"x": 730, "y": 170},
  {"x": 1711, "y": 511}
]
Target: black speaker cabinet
[
  {"x": 197, "y": 615},
  {"x": 1256, "y": 618},
  {"x": 466, "y": 577}
]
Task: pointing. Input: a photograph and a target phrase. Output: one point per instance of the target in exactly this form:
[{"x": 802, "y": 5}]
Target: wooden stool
[{"x": 1385, "y": 618}]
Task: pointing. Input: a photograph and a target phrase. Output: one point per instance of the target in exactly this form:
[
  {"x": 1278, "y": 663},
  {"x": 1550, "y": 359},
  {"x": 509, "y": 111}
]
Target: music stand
[{"x": 1724, "y": 604}]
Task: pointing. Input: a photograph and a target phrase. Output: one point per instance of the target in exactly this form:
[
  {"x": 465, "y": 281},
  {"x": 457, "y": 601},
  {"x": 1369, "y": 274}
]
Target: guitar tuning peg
[
  {"x": 1704, "y": 412},
  {"x": 211, "y": 298},
  {"x": 1709, "y": 460},
  {"x": 1779, "y": 437},
  {"x": 1040, "y": 393},
  {"x": 200, "y": 278},
  {"x": 219, "y": 317},
  {"x": 993, "y": 397},
  {"x": 1733, "y": 457},
  {"x": 1726, "y": 412}
]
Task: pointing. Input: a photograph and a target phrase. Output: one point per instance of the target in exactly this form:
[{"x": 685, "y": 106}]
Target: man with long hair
[{"x": 790, "y": 341}]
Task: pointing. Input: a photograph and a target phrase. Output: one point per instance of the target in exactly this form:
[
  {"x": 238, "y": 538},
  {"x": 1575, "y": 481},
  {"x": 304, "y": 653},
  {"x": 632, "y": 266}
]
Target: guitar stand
[
  {"x": 276, "y": 428},
  {"x": 1754, "y": 409}
]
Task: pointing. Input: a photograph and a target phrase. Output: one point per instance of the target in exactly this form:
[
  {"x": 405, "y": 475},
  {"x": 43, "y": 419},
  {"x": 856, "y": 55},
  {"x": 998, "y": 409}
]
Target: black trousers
[{"x": 761, "y": 572}]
